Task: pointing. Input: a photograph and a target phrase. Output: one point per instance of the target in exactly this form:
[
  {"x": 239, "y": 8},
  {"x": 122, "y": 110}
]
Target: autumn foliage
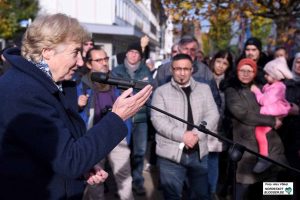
[{"x": 259, "y": 16}]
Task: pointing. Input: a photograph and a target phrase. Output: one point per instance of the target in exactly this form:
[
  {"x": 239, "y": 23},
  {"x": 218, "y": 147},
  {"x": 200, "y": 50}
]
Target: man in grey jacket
[
  {"x": 201, "y": 73},
  {"x": 182, "y": 149}
]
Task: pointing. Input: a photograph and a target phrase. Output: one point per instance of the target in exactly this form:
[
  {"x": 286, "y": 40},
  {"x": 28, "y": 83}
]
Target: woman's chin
[{"x": 69, "y": 76}]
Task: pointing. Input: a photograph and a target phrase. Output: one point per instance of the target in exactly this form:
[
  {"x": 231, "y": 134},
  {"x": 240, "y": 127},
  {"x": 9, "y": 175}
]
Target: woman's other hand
[{"x": 97, "y": 175}]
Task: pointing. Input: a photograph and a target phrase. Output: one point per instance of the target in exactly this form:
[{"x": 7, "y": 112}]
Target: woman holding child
[{"x": 245, "y": 112}]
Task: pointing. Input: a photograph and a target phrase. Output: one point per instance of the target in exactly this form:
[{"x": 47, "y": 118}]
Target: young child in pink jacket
[{"x": 273, "y": 102}]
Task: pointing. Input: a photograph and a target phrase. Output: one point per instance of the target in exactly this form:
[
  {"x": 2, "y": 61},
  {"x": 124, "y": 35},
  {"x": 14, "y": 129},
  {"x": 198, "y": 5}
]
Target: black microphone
[{"x": 121, "y": 83}]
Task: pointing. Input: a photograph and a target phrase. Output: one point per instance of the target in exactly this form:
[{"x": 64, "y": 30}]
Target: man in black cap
[
  {"x": 253, "y": 50},
  {"x": 134, "y": 68}
]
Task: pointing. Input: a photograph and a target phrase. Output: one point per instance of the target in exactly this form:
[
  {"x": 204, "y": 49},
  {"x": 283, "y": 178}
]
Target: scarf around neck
[
  {"x": 131, "y": 68},
  {"x": 42, "y": 65}
]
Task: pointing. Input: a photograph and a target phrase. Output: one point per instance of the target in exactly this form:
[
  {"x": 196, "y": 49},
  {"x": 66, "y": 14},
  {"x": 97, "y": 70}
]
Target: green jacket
[{"x": 141, "y": 74}]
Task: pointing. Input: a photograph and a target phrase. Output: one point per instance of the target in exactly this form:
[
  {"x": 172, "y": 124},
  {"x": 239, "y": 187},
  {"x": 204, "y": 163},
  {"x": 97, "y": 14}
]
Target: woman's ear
[{"x": 47, "y": 53}]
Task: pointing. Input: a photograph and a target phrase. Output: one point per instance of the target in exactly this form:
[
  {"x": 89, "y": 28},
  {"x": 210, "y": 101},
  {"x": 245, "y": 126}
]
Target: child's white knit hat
[{"x": 278, "y": 69}]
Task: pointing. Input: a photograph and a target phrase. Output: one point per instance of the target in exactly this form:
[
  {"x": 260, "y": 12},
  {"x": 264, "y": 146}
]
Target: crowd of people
[{"x": 59, "y": 129}]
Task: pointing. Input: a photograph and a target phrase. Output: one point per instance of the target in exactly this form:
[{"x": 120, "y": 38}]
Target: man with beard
[
  {"x": 95, "y": 101},
  {"x": 182, "y": 150},
  {"x": 253, "y": 50}
]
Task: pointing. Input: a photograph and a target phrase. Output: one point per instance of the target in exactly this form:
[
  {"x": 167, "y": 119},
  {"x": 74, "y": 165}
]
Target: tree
[
  {"x": 220, "y": 32},
  {"x": 282, "y": 12},
  {"x": 260, "y": 13},
  {"x": 12, "y": 12}
]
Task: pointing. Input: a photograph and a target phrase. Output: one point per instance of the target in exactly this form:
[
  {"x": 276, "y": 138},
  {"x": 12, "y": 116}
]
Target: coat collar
[
  {"x": 67, "y": 99},
  {"x": 192, "y": 80},
  {"x": 13, "y": 56}
]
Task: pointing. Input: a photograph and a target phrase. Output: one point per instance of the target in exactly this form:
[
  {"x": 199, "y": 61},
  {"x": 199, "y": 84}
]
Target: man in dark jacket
[{"x": 134, "y": 68}]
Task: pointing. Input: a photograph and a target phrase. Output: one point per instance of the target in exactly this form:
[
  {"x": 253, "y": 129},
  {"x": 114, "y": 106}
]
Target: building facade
[{"x": 115, "y": 23}]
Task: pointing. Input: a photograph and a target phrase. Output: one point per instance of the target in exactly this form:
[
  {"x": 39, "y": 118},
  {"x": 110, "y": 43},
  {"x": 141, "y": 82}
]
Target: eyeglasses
[
  {"x": 245, "y": 72},
  {"x": 100, "y": 60},
  {"x": 188, "y": 49},
  {"x": 179, "y": 69}
]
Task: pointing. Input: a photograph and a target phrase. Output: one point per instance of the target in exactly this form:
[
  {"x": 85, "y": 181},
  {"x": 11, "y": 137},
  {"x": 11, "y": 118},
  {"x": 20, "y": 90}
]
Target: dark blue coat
[{"x": 44, "y": 146}]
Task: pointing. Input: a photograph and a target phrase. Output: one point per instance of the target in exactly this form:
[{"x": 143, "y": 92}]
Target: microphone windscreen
[{"x": 99, "y": 77}]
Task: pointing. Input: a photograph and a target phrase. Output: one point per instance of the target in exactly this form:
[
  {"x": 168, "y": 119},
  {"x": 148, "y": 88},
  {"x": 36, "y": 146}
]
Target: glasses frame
[
  {"x": 246, "y": 72},
  {"x": 100, "y": 60},
  {"x": 184, "y": 69}
]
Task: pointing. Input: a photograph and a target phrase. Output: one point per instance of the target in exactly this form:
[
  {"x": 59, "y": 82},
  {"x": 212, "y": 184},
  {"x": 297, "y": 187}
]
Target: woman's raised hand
[{"x": 128, "y": 105}]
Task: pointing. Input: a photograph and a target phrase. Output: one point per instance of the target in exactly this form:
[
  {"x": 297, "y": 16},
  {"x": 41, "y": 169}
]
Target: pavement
[
  {"x": 150, "y": 174},
  {"x": 151, "y": 186}
]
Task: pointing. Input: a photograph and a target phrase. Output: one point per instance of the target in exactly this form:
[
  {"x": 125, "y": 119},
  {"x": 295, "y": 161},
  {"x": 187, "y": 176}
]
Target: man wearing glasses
[
  {"x": 182, "y": 149},
  {"x": 95, "y": 101},
  {"x": 201, "y": 73}
]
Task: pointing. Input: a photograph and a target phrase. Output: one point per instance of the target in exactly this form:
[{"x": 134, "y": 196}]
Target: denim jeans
[
  {"x": 213, "y": 171},
  {"x": 139, "y": 144},
  {"x": 190, "y": 168}
]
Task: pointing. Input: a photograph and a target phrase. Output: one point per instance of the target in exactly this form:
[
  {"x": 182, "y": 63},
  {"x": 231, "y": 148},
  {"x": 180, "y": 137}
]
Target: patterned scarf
[
  {"x": 42, "y": 65},
  {"x": 131, "y": 68}
]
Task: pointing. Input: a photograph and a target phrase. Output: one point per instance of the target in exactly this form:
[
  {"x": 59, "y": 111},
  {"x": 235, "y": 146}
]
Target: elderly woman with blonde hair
[{"x": 46, "y": 152}]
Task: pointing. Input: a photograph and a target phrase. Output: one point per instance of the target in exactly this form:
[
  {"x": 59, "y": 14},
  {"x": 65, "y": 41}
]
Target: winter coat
[
  {"x": 243, "y": 107},
  {"x": 172, "y": 99},
  {"x": 141, "y": 74},
  {"x": 272, "y": 99}
]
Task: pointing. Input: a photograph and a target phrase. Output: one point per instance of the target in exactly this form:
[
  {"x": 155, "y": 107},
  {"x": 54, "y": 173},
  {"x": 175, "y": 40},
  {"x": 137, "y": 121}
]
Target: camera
[{"x": 106, "y": 110}]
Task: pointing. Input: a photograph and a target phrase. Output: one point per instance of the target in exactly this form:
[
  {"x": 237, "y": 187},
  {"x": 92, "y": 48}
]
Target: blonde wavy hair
[{"x": 48, "y": 31}]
